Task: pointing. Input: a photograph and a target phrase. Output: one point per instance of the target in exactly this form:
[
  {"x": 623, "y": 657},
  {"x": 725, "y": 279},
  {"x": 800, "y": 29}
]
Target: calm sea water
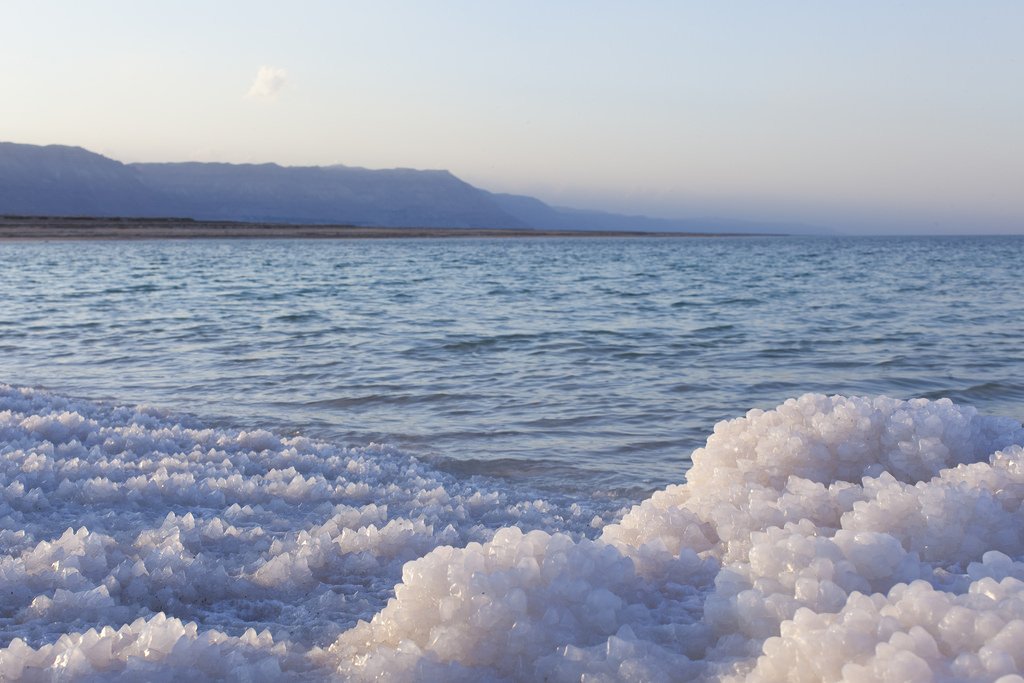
[{"x": 590, "y": 364}]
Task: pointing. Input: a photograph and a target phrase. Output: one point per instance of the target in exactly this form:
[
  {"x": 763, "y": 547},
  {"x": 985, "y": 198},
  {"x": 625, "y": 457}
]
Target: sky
[{"x": 862, "y": 116}]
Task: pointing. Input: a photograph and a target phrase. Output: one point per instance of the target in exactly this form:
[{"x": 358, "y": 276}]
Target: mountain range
[{"x": 58, "y": 180}]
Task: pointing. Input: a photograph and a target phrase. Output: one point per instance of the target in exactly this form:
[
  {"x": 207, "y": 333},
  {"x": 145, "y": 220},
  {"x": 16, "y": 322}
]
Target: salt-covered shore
[{"x": 830, "y": 539}]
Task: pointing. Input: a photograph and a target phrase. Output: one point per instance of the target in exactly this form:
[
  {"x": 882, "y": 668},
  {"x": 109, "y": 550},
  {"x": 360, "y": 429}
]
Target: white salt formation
[
  {"x": 131, "y": 541},
  {"x": 830, "y": 539}
]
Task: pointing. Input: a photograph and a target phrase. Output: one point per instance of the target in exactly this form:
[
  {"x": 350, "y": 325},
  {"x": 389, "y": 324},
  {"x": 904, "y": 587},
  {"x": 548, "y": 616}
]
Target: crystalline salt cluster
[
  {"x": 123, "y": 525},
  {"x": 833, "y": 538}
]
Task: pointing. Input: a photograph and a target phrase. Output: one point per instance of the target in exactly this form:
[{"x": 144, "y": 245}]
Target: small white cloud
[{"x": 269, "y": 81}]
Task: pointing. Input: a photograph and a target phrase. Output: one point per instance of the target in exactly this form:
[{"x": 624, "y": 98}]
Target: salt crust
[
  {"x": 111, "y": 515},
  {"x": 832, "y": 538}
]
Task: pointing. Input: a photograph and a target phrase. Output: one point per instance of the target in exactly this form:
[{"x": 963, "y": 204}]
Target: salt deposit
[{"x": 829, "y": 539}]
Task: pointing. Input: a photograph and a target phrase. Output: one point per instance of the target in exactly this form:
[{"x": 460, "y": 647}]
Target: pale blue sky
[{"x": 872, "y": 115}]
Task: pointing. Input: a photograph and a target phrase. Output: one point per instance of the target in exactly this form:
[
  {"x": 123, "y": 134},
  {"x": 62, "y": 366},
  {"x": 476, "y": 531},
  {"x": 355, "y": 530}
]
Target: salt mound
[
  {"x": 117, "y": 522},
  {"x": 830, "y": 539},
  {"x": 788, "y": 520},
  {"x": 157, "y": 649}
]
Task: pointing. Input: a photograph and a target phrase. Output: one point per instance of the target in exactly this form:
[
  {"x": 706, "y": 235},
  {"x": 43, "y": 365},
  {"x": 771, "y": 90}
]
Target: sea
[
  {"x": 597, "y": 363},
  {"x": 318, "y": 423}
]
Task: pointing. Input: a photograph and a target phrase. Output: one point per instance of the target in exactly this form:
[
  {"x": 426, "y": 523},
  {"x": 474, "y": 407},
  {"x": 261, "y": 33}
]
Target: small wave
[
  {"x": 980, "y": 392},
  {"x": 725, "y": 327},
  {"x": 500, "y": 340},
  {"x": 738, "y": 301},
  {"x": 686, "y": 388},
  {"x": 391, "y": 399},
  {"x": 300, "y": 317}
]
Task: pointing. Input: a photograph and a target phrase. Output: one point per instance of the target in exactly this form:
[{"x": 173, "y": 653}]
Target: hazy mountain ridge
[
  {"x": 59, "y": 180},
  {"x": 269, "y": 192}
]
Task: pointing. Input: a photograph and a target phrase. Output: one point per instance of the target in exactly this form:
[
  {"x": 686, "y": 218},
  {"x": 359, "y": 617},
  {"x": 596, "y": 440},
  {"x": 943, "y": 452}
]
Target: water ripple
[{"x": 601, "y": 361}]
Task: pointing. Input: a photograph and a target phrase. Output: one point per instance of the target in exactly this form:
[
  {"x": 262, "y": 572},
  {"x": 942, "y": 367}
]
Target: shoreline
[{"x": 55, "y": 228}]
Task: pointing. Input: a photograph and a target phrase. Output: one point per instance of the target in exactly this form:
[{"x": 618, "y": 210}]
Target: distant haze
[{"x": 870, "y": 116}]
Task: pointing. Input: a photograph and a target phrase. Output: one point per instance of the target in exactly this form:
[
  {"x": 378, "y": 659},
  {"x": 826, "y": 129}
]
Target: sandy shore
[{"x": 88, "y": 228}]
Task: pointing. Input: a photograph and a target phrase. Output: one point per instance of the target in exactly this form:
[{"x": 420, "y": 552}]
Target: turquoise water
[{"x": 580, "y": 365}]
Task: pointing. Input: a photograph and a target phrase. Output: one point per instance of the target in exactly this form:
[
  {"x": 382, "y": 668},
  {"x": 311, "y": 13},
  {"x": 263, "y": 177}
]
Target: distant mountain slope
[
  {"x": 59, "y": 180},
  {"x": 69, "y": 181},
  {"x": 268, "y": 192},
  {"x": 56, "y": 180}
]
